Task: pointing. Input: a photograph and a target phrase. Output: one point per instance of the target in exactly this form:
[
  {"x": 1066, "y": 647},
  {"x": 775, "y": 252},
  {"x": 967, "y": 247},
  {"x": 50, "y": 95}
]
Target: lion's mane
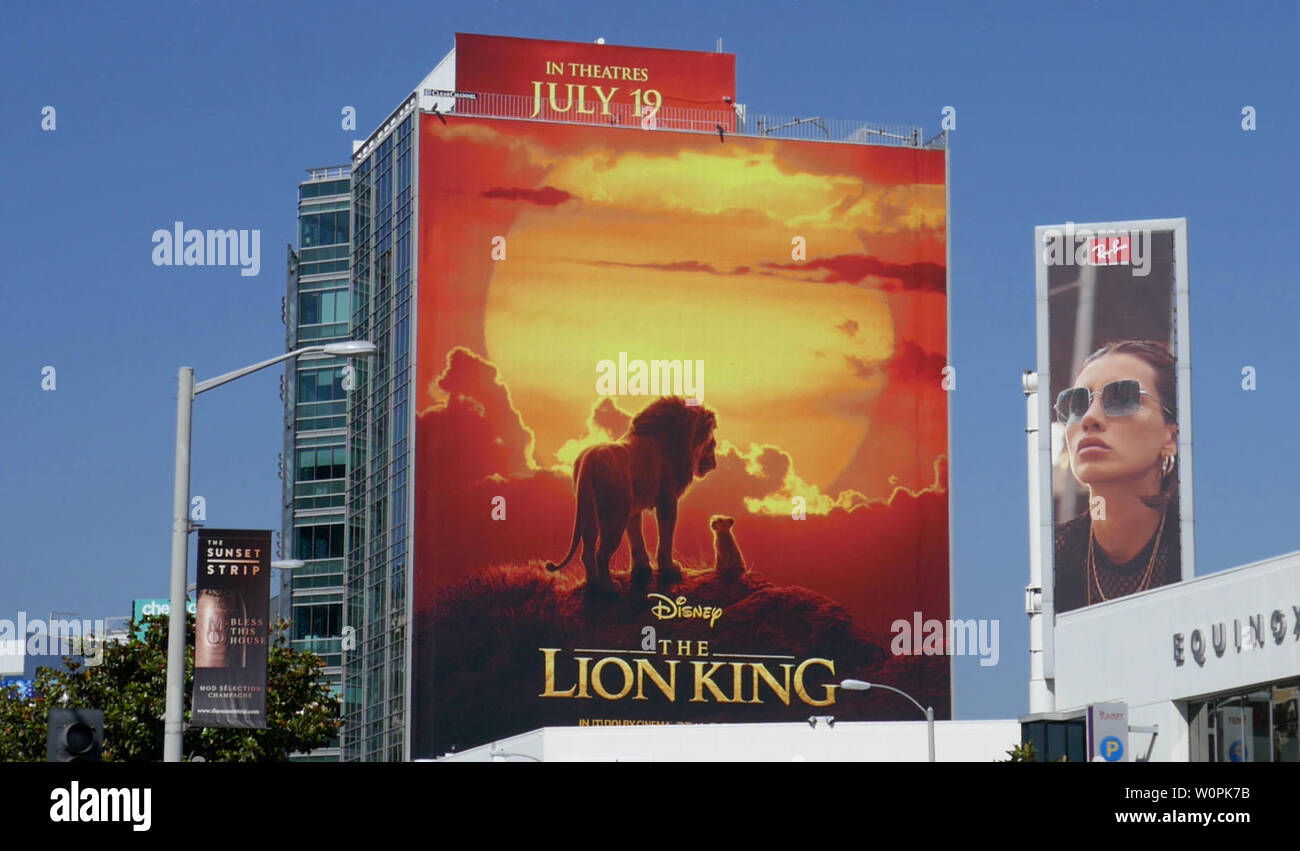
[{"x": 680, "y": 429}]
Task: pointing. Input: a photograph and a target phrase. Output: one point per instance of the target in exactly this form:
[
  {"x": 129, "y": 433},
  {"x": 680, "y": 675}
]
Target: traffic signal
[{"x": 75, "y": 735}]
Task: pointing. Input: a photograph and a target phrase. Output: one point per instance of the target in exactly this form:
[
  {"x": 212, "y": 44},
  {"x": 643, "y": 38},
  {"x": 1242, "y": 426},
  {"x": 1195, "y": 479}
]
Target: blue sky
[{"x": 208, "y": 113}]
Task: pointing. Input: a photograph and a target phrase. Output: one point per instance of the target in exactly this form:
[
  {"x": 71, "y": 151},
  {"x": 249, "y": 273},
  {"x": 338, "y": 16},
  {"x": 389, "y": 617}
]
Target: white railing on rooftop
[
  {"x": 736, "y": 121},
  {"x": 335, "y": 172}
]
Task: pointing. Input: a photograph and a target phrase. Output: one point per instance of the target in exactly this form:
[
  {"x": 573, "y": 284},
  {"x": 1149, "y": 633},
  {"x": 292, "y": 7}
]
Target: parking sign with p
[{"x": 1108, "y": 732}]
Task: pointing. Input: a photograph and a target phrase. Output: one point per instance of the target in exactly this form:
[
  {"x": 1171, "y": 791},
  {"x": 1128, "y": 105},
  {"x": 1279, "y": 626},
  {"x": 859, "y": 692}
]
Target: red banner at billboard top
[{"x": 597, "y": 74}]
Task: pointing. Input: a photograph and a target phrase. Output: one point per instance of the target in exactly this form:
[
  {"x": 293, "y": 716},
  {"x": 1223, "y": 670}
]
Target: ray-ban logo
[
  {"x": 1086, "y": 247},
  {"x": 1112, "y": 250}
]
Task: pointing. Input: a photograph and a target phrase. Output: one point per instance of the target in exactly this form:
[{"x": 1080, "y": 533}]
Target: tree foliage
[
  {"x": 130, "y": 686},
  {"x": 1023, "y": 752}
]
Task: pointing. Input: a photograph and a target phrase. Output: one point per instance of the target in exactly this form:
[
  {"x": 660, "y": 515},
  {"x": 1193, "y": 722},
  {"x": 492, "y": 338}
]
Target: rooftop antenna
[{"x": 719, "y": 50}]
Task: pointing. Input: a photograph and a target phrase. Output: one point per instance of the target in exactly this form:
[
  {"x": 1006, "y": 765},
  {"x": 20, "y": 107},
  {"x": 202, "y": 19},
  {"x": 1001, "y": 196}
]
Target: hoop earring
[{"x": 1166, "y": 465}]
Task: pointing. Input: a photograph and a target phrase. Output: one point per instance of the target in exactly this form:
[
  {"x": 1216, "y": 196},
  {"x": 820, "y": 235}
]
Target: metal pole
[
  {"x": 186, "y": 390},
  {"x": 1040, "y": 692},
  {"x": 929, "y": 723},
  {"x": 174, "y": 723}
]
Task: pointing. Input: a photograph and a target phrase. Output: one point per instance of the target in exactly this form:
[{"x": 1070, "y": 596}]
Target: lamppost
[
  {"x": 174, "y": 719},
  {"x": 861, "y": 685},
  {"x": 283, "y": 565}
]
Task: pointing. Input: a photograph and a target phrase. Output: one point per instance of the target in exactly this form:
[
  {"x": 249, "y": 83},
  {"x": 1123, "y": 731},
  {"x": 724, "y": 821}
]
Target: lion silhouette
[
  {"x": 728, "y": 561},
  {"x": 667, "y": 445}
]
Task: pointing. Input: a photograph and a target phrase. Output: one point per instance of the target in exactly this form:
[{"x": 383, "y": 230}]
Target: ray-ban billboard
[{"x": 1114, "y": 408}]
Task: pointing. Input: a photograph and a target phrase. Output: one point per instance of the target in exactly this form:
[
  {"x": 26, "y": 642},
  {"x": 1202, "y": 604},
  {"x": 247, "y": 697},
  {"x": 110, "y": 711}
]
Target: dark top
[{"x": 1117, "y": 580}]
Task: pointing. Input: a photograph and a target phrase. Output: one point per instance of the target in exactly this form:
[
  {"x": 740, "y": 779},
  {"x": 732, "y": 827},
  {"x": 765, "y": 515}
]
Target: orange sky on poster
[{"x": 678, "y": 246}]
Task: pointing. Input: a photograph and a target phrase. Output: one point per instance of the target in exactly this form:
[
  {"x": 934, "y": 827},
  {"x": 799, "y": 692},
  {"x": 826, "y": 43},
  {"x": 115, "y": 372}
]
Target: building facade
[
  {"x": 380, "y": 451},
  {"x": 317, "y": 310},
  {"x": 1209, "y": 669},
  {"x": 381, "y": 415}
]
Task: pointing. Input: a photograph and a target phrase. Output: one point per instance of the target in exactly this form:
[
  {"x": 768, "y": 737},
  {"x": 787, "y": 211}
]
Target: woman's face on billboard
[{"x": 1106, "y": 449}]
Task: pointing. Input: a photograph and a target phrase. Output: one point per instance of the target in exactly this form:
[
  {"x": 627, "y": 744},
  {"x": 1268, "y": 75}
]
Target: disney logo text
[{"x": 666, "y": 609}]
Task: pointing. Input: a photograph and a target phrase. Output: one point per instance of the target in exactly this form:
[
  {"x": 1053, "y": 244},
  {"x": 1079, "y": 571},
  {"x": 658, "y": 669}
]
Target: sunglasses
[{"x": 1120, "y": 398}]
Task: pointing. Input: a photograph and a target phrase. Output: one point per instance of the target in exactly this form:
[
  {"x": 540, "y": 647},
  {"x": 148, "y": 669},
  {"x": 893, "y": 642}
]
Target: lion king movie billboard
[
  {"x": 596, "y": 83},
  {"x": 681, "y": 441}
]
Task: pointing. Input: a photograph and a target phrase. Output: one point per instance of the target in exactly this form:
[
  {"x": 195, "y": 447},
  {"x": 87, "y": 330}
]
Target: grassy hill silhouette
[{"x": 483, "y": 638}]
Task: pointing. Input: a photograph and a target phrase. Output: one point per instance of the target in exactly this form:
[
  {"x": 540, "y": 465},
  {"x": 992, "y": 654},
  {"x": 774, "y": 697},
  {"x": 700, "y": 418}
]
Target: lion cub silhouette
[{"x": 729, "y": 563}]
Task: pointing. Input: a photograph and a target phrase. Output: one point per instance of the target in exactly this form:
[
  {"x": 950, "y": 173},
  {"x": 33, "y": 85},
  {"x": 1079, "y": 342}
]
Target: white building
[
  {"x": 1209, "y": 670},
  {"x": 817, "y": 741},
  {"x": 1213, "y": 663}
]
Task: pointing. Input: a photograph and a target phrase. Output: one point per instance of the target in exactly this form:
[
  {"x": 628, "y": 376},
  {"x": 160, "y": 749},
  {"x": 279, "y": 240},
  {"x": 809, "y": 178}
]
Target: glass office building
[
  {"x": 380, "y": 457},
  {"x": 317, "y": 310}
]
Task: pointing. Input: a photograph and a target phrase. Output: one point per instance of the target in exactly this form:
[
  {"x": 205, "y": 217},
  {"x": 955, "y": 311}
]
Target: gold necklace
[{"x": 1092, "y": 563}]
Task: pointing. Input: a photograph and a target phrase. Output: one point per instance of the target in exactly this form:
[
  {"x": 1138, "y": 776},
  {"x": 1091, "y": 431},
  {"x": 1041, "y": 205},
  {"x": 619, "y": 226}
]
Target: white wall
[
  {"x": 13, "y": 656},
  {"x": 884, "y": 741},
  {"x": 442, "y": 77}
]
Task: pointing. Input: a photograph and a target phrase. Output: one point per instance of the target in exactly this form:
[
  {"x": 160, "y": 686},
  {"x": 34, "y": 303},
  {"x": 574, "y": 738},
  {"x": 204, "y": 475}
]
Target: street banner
[{"x": 231, "y": 630}]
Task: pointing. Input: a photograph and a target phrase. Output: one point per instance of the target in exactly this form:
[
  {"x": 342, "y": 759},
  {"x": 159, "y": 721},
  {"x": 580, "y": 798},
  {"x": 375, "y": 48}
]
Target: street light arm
[
  {"x": 903, "y": 693},
  {"x": 493, "y": 753},
  {"x": 240, "y": 373},
  {"x": 187, "y": 389},
  {"x": 927, "y": 711}
]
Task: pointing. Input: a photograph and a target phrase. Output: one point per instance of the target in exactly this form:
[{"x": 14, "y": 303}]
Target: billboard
[
  {"x": 1116, "y": 403},
  {"x": 142, "y": 608},
  {"x": 730, "y": 354},
  {"x": 230, "y": 628},
  {"x": 596, "y": 83}
]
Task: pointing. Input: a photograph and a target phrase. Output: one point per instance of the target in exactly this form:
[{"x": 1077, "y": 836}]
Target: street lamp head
[
  {"x": 855, "y": 685},
  {"x": 288, "y": 564},
  {"x": 351, "y": 348}
]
